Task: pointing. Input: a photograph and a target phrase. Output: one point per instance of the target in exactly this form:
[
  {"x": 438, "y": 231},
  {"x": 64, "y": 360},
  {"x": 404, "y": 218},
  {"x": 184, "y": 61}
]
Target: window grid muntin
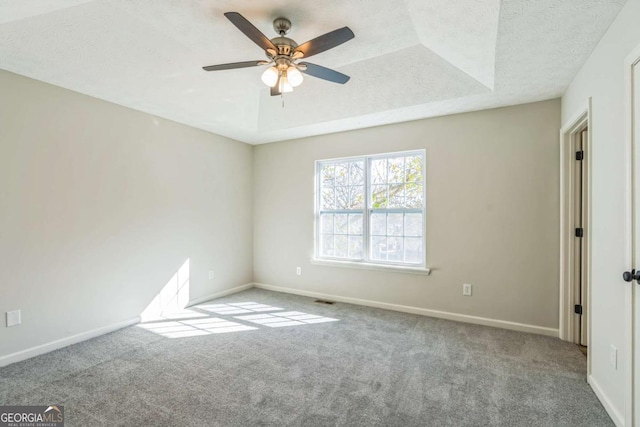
[{"x": 367, "y": 210}]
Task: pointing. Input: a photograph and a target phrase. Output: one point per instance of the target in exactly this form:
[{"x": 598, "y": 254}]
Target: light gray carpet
[{"x": 371, "y": 368}]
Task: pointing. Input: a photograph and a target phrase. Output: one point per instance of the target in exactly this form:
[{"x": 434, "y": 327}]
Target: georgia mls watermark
[{"x": 32, "y": 416}]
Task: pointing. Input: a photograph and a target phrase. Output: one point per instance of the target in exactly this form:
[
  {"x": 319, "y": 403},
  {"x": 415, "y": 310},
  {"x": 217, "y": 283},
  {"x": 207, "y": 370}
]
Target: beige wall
[
  {"x": 492, "y": 214},
  {"x": 100, "y": 205},
  {"x": 602, "y": 79}
]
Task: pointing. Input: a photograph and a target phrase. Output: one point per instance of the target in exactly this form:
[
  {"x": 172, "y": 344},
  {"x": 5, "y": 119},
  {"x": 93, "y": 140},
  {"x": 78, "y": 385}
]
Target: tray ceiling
[{"x": 410, "y": 59}]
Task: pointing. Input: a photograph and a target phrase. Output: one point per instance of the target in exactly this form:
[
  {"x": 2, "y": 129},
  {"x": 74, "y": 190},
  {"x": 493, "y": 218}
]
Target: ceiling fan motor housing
[{"x": 284, "y": 44}]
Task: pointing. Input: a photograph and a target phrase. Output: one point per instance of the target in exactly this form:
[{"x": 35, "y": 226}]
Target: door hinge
[
  {"x": 580, "y": 155},
  {"x": 577, "y": 309},
  {"x": 580, "y": 232}
]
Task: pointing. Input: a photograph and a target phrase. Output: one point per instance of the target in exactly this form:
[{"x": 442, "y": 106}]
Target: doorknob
[{"x": 630, "y": 276}]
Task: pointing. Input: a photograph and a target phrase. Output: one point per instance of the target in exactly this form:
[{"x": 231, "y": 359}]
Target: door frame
[
  {"x": 568, "y": 135},
  {"x": 632, "y": 414}
]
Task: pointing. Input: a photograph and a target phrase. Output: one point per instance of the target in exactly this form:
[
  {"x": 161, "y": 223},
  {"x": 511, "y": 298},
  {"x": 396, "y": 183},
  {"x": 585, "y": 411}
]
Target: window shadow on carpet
[{"x": 200, "y": 320}]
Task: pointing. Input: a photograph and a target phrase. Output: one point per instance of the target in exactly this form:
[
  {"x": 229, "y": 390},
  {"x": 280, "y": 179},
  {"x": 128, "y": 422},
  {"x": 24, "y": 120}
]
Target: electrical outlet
[
  {"x": 466, "y": 290},
  {"x": 13, "y": 318},
  {"x": 212, "y": 274},
  {"x": 613, "y": 358},
  {"x": 299, "y": 271}
]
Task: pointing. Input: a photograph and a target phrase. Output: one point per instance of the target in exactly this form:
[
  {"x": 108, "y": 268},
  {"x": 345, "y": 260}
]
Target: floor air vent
[{"x": 324, "y": 301}]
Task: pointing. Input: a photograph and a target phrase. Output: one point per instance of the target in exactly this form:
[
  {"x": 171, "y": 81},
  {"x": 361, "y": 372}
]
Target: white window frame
[{"x": 366, "y": 211}]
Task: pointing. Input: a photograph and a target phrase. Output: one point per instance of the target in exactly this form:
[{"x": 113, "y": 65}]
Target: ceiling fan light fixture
[
  {"x": 270, "y": 76},
  {"x": 282, "y": 54},
  {"x": 294, "y": 76}
]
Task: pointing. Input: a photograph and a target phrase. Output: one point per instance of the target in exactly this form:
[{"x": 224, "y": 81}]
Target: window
[{"x": 371, "y": 209}]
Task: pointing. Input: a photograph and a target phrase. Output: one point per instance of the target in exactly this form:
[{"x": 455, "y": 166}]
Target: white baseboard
[
  {"x": 220, "y": 294},
  {"x": 64, "y": 342},
  {"x": 522, "y": 327},
  {"x": 616, "y": 416}
]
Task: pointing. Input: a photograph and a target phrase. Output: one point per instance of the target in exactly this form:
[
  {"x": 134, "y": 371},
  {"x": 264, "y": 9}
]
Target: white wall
[
  {"x": 100, "y": 205},
  {"x": 492, "y": 214},
  {"x": 602, "y": 77}
]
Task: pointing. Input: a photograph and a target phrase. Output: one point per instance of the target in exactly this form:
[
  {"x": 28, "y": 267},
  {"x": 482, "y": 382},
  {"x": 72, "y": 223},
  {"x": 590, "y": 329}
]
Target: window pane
[
  {"x": 328, "y": 198},
  {"x": 396, "y": 169},
  {"x": 355, "y": 247},
  {"x": 340, "y": 248},
  {"x": 394, "y": 249},
  {"x": 395, "y": 226},
  {"x": 355, "y": 224},
  {"x": 396, "y": 196},
  {"x": 413, "y": 224},
  {"x": 356, "y": 197},
  {"x": 378, "y": 224},
  {"x": 414, "y": 196},
  {"x": 327, "y": 173},
  {"x": 342, "y": 174},
  {"x": 326, "y": 245},
  {"x": 342, "y": 197},
  {"x": 340, "y": 223},
  {"x": 413, "y": 250},
  {"x": 379, "y": 196},
  {"x": 326, "y": 223},
  {"x": 413, "y": 171},
  {"x": 356, "y": 173},
  {"x": 379, "y": 171},
  {"x": 379, "y": 248}
]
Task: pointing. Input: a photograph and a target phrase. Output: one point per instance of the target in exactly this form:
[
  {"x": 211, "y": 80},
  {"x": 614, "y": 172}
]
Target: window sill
[{"x": 367, "y": 266}]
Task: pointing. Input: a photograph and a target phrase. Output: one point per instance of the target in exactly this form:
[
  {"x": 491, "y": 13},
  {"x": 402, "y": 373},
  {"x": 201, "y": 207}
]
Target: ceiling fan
[{"x": 283, "y": 54}]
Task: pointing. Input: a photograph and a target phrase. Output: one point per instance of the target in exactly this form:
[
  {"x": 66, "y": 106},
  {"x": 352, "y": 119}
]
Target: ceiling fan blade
[
  {"x": 233, "y": 65},
  {"x": 275, "y": 90},
  {"x": 325, "y": 42},
  {"x": 250, "y": 30},
  {"x": 324, "y": 73}
]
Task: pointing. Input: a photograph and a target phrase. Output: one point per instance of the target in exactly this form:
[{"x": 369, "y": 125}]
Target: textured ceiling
[{"x": 410, "y": 59}]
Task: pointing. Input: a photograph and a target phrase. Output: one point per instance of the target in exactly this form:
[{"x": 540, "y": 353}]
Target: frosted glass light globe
[
  {"x": 285, "y": 86},
  {"x": 270, "y": 76},
  {"x": 294, "y": 76}
]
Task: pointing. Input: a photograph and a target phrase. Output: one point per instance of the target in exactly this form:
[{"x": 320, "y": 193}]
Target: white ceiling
[{"x": 410, "y": 59}]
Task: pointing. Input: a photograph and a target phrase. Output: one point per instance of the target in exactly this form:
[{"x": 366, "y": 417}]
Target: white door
[
  {"x": 579, "y": 248},
  {"x": 581, "y": 254},
  {"x": 636, "y": 245}
]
